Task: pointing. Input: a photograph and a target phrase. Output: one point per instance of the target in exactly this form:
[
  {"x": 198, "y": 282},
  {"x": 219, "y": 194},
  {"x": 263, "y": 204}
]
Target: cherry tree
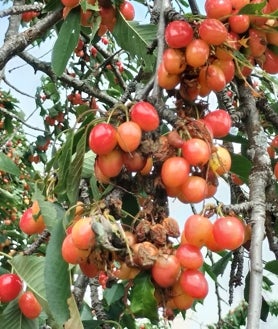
[{"x": 132, "y": 113}]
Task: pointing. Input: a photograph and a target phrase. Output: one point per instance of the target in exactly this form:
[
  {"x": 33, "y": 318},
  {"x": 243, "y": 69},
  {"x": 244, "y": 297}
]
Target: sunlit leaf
[
  {"x": 143, "y": 303},
  {"x": 252, "y": 9},
  {"x": 57, "y": 277},
  {"x": 66, "y": 42},
  {"x": 7, "y": 165}
]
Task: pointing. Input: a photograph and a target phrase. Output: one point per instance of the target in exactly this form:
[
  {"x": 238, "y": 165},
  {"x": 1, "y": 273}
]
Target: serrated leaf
[
  {"x": 272, "y": 266},
  {"x": 135, "y": 39},
  {"x": 66, "y": 42},
  {"x": 219, "y": 267},
  {"x": 75, "y": 170},
  {"x": 113, "y": 294},
  {"x": 142, "y": 301},
  {"x": 88, "y": 164},
  {"x": 7, "y": 165},
  {"x": 57, "y": 276},
  {"x": 241, "y": 166},
  {"x": 75, "y": 320},
  {"x": 252, "y": 9},
  {"x": 31, "y": 269},
  {"x": 64, "y": 160},
  {"x": 12, "y": 318}
]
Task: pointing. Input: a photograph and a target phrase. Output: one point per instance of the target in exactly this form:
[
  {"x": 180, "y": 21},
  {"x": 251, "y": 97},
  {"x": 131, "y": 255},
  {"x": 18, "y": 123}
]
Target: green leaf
[
  {"x": 272, "y": 266},
  {"x": 57, "y": 276},
  {"x": 252, "y": 9},
  {"x": 66, "y": 42},
  {"x": 75, "y": 170},
  {"x": 64, "y": 161},
  {"x": 88, "y": 164},
  {"x": 135, "y": 39},
  {"x": 113, "y": 294},
  {"x": 31, "y": 269},
  {"x": 7, "y": 165},
  {"x": 241, "y": 166},
  {"x": 264, "y": 310},
  {"x": 219, "y": 267},
  {"x": 50, "y": 211},
  {"x": 12, "y": 318},
  {"x": 142, "y": 301}
]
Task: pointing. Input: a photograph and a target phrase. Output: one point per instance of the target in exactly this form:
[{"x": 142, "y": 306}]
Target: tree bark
[{"x": 259, "y": 180}]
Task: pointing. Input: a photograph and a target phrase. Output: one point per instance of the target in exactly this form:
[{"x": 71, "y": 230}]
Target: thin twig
[
  {"x": 67, "y": 79},
  {"x": 20, "y": 120}
]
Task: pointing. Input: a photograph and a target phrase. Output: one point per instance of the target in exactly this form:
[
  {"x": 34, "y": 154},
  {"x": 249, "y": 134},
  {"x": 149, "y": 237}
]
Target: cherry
[
  {"x": 10, "y": 287},
  {"x": 29, "y": 305},
  {"x": 178, "y": 34},
  {"x": 145, "y": 115},
  {"x": 103, "y": 138}
]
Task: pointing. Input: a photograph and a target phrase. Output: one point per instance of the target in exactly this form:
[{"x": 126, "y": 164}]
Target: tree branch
[
  {"x": 17, "y": 43},
  {"x": 2, "y": 109},
  {"x": 19, "y": 9},
  {"x": 66, "y": 79},
  {"x": 267, "y": 110},
  {"x": 259, "y": 180}
]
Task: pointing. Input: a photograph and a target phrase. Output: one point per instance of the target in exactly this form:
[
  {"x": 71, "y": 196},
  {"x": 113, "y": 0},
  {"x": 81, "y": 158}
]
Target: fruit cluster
[
  {"x": 104, "y": 9},
  {"x": 11, "y": 287},
  {"x": 147, "y": 246},
  {"x": 203, "y": 56},
  {"x": 118, "y": 146}
]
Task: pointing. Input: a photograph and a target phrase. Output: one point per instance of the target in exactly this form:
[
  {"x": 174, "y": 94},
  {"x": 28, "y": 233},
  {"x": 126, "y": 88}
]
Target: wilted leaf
[
  {"x": 66, "y": 42},
  {"x": 75, "y": 321},
  {"x": 7, "y": 165},
  {"x": 142, "y": 301}
]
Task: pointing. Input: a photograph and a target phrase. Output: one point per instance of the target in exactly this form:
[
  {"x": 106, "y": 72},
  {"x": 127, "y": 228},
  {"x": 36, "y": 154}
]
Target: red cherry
[
  {"x": 103, "y": 138},
  {"x": 178, "y": 34},
  {"x": 145, "y": 115},
  {"x": 220, "y": 122},
  {"x": 10, "y": 287}
]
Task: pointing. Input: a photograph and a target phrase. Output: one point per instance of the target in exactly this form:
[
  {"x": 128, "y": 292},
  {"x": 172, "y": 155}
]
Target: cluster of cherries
[
  {"x": 11, "y": 287},
  {"x": 117, "y": 147},
  {"x": 201, "y": 56},
  {"x": 106, "y": 11}
]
